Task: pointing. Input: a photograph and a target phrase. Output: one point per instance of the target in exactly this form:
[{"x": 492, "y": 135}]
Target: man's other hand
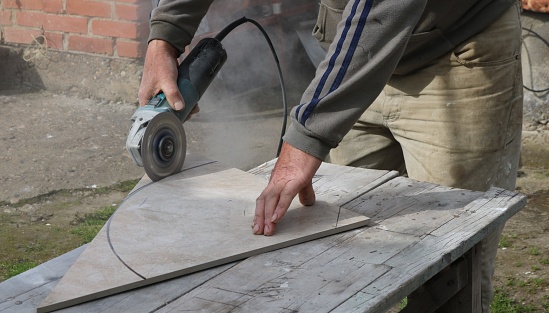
[{"x": 292, "y": 175}]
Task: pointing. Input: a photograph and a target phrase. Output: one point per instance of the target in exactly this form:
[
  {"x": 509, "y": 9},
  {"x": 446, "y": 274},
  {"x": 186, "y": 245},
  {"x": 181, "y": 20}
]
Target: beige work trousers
[{"x": 456, "y": 123}]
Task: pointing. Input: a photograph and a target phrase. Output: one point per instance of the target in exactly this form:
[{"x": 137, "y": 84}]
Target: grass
[
  {"x": 503, "y": 303},
  {"x": 55, "y": 242},
  {"x": 504, "y": 242},
  {"x": 26, "y": 243},
  {"x": 533, "y": 251},
  {"x": 15, "y": 268},
  {"x": 91, "y": 223}
]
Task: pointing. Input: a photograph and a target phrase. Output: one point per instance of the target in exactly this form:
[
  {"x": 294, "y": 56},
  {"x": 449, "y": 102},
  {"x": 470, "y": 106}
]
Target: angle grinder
[{"x": 157, "y": 140}]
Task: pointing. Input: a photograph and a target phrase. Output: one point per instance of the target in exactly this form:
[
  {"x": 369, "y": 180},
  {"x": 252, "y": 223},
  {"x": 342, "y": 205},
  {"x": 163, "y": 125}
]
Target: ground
[
  {"x": 522, "y": 263},
  {"x": 65, "y": 168}
]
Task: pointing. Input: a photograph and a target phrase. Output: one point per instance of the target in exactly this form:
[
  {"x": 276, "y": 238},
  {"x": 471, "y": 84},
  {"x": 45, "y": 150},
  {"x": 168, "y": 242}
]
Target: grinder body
[{"x": 161, "y": 149}]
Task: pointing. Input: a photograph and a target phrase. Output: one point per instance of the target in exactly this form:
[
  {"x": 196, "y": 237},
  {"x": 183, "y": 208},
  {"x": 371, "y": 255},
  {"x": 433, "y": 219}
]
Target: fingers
[
  {"x": 292, "y": 175},
  {"x": 173, "y": 95},
  {"x": 307, "y": 195},
  {"x": 195, "y": 110},
  {"x": 145, "y": 94},
  {"x": 269, "y": 210},
  {"x": 259, "y": 218},
  {"x": 273, "y": 203},
  {"x": 160, "y": 74}
]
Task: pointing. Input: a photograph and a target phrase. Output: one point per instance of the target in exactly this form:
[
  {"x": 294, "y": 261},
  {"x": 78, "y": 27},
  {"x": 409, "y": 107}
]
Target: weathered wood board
[{"x": 189, "y": 222}]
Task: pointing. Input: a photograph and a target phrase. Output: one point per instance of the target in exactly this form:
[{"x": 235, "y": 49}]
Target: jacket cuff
[
  {"x": 170, "y": 33},
  {"x": 302, "y": 139}
]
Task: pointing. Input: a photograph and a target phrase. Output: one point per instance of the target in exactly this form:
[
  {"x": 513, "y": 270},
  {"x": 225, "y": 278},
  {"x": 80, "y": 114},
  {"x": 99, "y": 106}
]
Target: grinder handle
[{"x": 195, "y": 73}]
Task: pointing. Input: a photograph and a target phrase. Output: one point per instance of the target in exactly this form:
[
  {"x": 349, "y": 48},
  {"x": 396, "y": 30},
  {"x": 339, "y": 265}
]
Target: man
[{"x": 430, "y": 88}]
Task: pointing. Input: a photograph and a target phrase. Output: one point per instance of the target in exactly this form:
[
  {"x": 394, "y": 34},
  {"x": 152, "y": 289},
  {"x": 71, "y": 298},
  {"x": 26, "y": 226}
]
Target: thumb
[
  {"x": 174, "y": 97},
  {"x": 307, "y": 195}
]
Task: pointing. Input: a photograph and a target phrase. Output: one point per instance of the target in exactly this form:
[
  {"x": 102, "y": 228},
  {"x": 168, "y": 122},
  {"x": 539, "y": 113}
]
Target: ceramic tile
[{"x": 184, "y": 224}]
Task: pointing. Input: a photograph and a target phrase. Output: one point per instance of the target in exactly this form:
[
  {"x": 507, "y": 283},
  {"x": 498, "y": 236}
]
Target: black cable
[
  {"x": 547, "y": 44},
  {"x": 537, "y": 35},
  {"x": 225, "y": 31},
  {"x": 536, "y": 90},
  {"x": 229, "y": 28}
]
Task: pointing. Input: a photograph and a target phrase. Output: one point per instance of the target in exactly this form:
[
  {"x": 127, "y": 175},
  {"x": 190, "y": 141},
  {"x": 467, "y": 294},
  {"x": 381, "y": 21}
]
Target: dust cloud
[{"x": 241, "y": 115}]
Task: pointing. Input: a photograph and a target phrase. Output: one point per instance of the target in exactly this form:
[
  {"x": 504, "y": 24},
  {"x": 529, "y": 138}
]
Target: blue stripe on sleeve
[{"x": 346, "y": 61}]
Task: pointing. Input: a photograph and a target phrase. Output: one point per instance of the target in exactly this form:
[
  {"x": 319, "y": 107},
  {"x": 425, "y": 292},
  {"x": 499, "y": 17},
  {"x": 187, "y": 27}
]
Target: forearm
[{"x": 368, "y": 45}]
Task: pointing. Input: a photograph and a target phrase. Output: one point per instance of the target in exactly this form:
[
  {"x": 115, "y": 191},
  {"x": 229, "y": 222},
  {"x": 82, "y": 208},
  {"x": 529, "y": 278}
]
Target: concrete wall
[
  {"x": 79, "y": 47},
  {"x": 535, "y": 67}
]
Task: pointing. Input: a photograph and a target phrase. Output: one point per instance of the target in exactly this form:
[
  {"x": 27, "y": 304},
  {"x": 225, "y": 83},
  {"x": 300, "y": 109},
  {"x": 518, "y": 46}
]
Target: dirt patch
[
  {"x": 522, "y": 263},
  {"x": 53, "y": 142}
]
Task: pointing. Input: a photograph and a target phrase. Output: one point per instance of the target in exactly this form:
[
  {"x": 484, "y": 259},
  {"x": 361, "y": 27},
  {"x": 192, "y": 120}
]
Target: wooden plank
[
  {"x": 161, "y": 233},
  {"x": 416, "y": 264},
  {"x": 25, "y": 291},
  {"x": 425, "y": 205},
  {"x": 149, "y": 298},
  {"x": 311, "y": 277},
  {"x": 438, "y": 290},
  {"x": 469, "y": 298}
]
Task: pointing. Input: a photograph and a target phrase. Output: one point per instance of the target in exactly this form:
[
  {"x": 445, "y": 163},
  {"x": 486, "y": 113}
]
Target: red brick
[
  {"x": 50, "y": 6},
  {"x": 131, "y": 49},
  {"x": 20, "y": 35},
  {"x": 5, "y": 17},
  {"x": 133, "y": 12},
  {"x": 89, "y": 8},
  {"x": 90, "y": 44},
  {"x": 132, "y": 1},
  {"x": 30, "y": 18},
  {"x": 119, "y": 29},
  {"x": 53, "y": 6},
  {"x": 54, "y": 40},
  {"x": 10, "y": 4},
  {"x": 71, "y": 24}
]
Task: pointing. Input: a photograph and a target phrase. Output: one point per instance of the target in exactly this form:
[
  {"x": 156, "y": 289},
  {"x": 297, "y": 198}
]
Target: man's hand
[
  {"x": 160, "y": 75},
  {"x": 293, "y": 174}
]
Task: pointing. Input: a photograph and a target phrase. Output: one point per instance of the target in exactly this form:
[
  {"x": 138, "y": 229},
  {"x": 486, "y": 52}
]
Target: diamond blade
[{"x": 164, "y": 146}]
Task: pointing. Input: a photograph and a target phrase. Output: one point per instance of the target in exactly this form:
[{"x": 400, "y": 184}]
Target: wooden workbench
[{"x": 417, "y": 230}]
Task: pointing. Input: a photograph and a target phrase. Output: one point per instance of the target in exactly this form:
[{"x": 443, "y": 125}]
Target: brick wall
[{"x": 116, "y": 28}]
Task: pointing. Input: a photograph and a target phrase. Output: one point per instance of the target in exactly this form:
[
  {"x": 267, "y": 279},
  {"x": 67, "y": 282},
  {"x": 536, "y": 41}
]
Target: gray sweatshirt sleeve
[
  {"x": 370, "y": 40},
  {"x": 176, "y": 21}
]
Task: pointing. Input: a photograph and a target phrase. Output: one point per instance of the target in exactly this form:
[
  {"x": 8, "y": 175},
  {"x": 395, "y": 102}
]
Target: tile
[{"x": 187, "y": 223}]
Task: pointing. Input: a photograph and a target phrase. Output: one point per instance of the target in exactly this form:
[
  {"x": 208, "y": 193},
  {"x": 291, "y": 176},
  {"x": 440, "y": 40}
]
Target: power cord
[
  {"x": 225, "y": 31},
  {"x": 547, "y": 44}
]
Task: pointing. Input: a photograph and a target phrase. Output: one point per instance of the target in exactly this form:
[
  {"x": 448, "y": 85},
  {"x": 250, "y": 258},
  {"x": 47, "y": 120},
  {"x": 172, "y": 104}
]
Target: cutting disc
[{"x": 164, "y": 146}]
